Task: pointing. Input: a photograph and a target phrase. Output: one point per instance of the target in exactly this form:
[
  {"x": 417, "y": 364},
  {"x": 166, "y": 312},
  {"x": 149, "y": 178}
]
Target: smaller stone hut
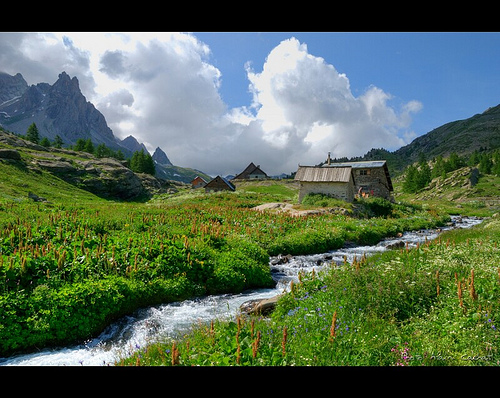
[
  {"x": 251, "y": 172},
  {"x": 219, "y": 184},
  {"x": 198, "y": 182}
]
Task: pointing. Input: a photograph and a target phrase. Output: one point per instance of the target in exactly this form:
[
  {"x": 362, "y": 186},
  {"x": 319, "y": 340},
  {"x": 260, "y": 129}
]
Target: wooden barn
[
  {"x": 333, "y": 181},
  {"x": 219, "y": 184},
  {"x": 252, "y": 172},
  {"x": 198, "y": 182}
]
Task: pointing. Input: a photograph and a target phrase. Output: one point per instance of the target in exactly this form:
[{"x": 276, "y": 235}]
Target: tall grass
[
  {"x": 67, "y": 270},
  {"x": 435, "y": 305}
]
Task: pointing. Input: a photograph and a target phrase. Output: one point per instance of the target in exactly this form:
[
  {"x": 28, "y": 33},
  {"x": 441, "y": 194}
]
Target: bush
[{"x": 323, "y": 200}]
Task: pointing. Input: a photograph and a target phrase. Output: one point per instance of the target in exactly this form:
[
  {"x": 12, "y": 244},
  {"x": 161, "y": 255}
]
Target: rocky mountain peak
[
  {"x": 160, "y": 157},
  {"x": 133, "y": 145}
]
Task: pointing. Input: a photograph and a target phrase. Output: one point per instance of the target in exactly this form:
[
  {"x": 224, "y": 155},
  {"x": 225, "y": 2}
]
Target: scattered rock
[
  {"x": 280, "y": 259},
  {"x": 395, "y": 245},
  {"x": 36, "y": 198}
]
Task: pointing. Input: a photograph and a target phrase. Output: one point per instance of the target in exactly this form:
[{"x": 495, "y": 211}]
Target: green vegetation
[
  {"x": 142, "y": 163},
  {"x": 71, "y": 265},
  {"x": 436, "y": 305},
  {"x": 418, "y": 176},
  {"x": 68, "y": 269}
]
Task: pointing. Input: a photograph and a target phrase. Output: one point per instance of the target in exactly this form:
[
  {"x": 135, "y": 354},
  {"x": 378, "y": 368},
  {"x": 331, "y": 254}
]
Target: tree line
[
  {"x": 418, "y": 176},
  {"x": 139, "y": 163}
]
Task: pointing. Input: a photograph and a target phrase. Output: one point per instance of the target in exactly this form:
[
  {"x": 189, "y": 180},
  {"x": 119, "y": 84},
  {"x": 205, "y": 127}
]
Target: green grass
[
  {"x": 16, "y": 181},
  {"x": 56, "y": 258},
  {"x": 70, "y": 266},
  {"x": 281, "y": 190}
]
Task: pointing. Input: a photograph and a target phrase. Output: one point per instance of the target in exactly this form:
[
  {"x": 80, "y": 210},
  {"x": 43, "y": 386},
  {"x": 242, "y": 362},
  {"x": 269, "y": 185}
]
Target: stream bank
[{"x": 170, "y": 320}]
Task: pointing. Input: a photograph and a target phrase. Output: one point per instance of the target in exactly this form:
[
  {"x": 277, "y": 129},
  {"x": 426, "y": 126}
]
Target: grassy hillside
[{"x": 17, "y": 181}]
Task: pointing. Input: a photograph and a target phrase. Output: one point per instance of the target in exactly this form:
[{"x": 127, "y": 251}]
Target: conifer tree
[
  {"x": 32, "y": 134},
  {"x": 58, "y": 142}
]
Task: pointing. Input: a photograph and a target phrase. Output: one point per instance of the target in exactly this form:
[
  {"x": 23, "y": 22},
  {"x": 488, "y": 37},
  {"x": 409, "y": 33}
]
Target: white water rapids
[{"x": 146, "y": 325}]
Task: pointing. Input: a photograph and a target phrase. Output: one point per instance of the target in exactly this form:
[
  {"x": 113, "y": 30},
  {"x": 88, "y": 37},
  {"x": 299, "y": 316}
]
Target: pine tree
[
  {"x": 423, "y": 176},
  {"x": 32, "y": 134},
  {"x": 149, "y": 165},
  {"x": 45, "y": 142},
  {"x": 89, "y": 146},
  {"x": 58, "y": 142},
  {"x": 410, "y": 182},
  {"x": 142, "y": 163},
  {"x": 80, "y": 145},
  {"x": 485, "y": 164}
]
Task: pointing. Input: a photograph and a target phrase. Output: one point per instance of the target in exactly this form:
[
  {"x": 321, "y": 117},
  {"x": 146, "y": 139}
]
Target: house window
[{"x": 364, "y": 172}]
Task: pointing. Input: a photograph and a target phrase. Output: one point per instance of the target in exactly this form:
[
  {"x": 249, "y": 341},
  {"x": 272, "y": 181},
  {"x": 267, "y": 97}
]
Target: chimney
[{"x": 328, "y": 160}]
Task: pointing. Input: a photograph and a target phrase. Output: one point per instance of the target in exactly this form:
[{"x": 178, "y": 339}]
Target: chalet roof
[
  {"x": 323, "y": 174},
  {"x": 250, "y": 169},
  {"x": 198, "y": 178},
  {"x": 367, "y": 164}
]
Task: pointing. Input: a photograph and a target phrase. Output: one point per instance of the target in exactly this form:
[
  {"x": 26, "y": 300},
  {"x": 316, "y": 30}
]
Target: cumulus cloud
[
  {"x": 306, "y": 104},
  {"x": 162, "y": 89}
]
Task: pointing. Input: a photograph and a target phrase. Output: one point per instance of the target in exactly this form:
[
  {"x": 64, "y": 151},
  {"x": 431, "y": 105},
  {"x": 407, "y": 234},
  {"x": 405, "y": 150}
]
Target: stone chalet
[
  {"x": 251, "y": 172},
  {"x": 346, "y": 180},
  {"x": 219, "y": 184}
]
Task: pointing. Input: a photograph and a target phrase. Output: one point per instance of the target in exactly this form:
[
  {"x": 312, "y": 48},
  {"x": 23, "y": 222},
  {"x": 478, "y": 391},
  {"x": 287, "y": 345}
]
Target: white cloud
[{"x": 161, "y": 88}]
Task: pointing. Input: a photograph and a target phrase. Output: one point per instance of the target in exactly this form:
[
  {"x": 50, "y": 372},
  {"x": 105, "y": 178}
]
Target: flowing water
[{"x": 169, "y": 320}]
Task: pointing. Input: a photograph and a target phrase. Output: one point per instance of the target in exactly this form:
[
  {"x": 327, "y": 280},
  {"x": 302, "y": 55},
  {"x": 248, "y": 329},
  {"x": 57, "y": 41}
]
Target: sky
[{"x": 216, "y": 101}]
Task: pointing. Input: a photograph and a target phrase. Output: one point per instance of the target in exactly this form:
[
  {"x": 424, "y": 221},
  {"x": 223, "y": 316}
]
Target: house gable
[{"x": 198, "y": 182}]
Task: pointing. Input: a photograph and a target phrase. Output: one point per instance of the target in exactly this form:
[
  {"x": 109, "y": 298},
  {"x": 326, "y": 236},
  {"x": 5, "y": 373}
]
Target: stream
[{"x": 170, "y": 320}]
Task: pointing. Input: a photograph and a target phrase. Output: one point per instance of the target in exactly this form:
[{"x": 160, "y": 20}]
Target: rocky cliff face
[
  {"x": 60, "y": 109},
  {"x": 11, "y": 87}
]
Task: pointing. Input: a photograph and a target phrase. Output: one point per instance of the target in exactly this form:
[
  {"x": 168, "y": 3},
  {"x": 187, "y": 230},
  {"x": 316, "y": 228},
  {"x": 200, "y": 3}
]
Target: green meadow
[{"x": 71, "y": 265}]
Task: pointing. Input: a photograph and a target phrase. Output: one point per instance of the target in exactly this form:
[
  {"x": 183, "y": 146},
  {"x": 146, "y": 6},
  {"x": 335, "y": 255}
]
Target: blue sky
[
  {"x": 454, "y": 74},
  {"x": 217, "y": 101}
]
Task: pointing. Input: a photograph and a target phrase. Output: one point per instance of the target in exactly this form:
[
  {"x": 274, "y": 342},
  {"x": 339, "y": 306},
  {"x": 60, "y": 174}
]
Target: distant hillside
[
  {"x": 28, "y": 170},
  {"x": 480, "y": 132}
]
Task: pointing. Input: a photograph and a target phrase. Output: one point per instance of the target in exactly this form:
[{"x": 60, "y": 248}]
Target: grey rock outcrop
[{"x": 60, "y": 109}]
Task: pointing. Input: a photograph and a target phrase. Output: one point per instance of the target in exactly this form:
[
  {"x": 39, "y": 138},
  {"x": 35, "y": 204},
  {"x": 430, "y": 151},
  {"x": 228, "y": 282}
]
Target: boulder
[
  {"x": 10, "y": 154},
  {"x": 259, "y": 306}
]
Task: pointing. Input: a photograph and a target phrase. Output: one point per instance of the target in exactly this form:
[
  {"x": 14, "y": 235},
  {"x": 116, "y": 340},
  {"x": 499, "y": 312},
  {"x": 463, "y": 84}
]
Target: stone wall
[
  {"x": 340, "y": 190},
  {"x": 372, "y": 181}
]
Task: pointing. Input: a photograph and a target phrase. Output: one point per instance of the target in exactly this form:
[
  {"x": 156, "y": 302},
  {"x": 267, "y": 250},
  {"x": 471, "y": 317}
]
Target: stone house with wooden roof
[
  {"x": 346, "y": 180},
  {"x": 219, "y": 184},
  {"x": 251, "y": 172}
]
